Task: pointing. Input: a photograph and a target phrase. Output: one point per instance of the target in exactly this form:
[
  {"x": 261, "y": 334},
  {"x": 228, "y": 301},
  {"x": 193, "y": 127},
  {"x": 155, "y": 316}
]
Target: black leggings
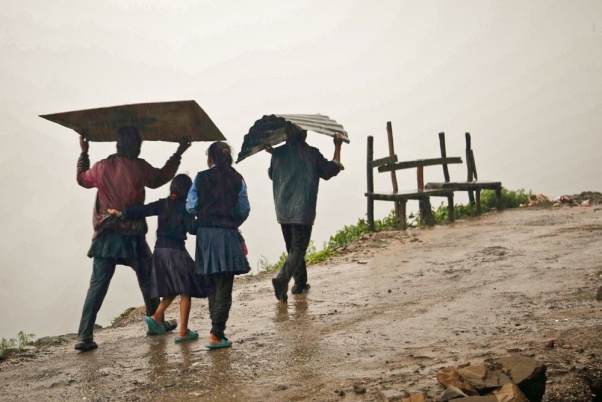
[{"x": 220, "y": 302}]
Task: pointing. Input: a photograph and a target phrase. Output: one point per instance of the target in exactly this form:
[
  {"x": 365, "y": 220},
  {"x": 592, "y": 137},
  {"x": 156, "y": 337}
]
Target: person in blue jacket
[
  {"x": 218, "y": 198},
  {"x": 296, "y": 169}
]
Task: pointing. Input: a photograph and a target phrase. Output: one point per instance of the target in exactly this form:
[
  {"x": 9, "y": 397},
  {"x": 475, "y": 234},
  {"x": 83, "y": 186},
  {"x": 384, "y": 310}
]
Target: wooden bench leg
[
  {"x": 402, "y": 215},
  {"x": 370, "y": 213},
  {"x": 428, "y": 213},
  {"x": 498, "y": 198},
  {"x": 477, "y": 194},
  {"x": 450, "y": 208},
  {"x": 422, "y": 210}
]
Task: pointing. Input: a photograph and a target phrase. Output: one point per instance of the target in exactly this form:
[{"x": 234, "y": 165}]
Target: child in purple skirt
[{"x": 173, "y": 270}]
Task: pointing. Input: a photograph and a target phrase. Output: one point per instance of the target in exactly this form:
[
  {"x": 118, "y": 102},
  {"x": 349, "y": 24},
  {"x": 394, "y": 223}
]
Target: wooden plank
[
  {"x": 409, "y": 195},
  {"x": 159, "y": 121},
  {"x": 384, "y": 161},
  {"x": 464, "y": 186},
  {"x": 420, "y": 162}
]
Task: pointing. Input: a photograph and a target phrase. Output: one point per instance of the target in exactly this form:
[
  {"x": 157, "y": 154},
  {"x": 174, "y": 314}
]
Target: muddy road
[{"x": 388, "y": 313}]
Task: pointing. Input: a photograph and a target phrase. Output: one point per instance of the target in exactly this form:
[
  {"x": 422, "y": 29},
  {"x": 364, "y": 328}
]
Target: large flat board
[{"x": 161, "y": 121}]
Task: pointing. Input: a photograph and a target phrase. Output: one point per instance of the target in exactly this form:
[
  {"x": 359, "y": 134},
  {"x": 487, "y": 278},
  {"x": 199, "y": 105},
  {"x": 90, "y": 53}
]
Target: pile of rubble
[
  {"x": 585, "y": 199},
  {"x": 508, "y": 379}
]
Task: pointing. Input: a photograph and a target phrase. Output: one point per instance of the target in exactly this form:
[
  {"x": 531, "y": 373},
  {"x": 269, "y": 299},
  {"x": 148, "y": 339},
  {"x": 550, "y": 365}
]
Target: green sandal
[{"x": 191, "y": 336}]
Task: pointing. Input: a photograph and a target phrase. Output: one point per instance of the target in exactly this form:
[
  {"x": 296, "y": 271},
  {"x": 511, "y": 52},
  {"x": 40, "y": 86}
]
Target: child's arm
[
  {"x": 137, "y": 212},
  {"x": 190, "y": 222}
]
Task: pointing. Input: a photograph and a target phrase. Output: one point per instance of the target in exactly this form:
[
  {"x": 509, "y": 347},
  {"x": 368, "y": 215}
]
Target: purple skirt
[{"x": 173, "y": 274}]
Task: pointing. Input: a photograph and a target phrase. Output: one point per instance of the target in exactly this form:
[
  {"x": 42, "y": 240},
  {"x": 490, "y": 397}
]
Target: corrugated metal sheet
[{"x": 270, "y": 130}]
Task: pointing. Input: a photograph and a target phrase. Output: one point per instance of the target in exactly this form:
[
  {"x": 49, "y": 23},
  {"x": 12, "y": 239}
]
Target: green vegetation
[
  {"x": 121, "y": 316},
  {"x": 329, "y": 249},
  {"x": 510, "y": 199},
  {"x": 22, "y": 340}
]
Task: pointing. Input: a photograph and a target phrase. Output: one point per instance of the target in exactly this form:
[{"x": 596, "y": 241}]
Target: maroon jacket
[{"x": 120, "y": 182}]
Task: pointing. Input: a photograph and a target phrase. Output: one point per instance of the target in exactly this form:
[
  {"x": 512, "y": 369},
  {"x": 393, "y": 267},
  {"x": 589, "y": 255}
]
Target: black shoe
[
  {"x": 169, "y": 326},
  {"x": 85, "y": 346},
  {"x": 297, "y": 290},
  {"x": 280, "y": 290}
]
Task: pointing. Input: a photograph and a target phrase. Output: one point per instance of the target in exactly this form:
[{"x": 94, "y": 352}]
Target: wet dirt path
[{"x": 389, "y": 314}]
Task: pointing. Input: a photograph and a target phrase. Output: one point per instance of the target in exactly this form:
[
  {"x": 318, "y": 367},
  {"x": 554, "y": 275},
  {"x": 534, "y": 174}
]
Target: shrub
[{"x": 510, "y": 199}]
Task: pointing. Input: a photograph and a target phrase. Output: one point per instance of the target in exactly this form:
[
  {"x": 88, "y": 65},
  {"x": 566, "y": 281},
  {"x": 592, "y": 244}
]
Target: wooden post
[
  {"x": 474, "y": 166},
  {"x": 469, "y": 167},
  {"x": 420, "y": 187},
  {"x": 370, "y": 182},
  {"x": 428, "y": 214},
  {"x": 420, "y": 177},
  {"x": 402, "y": 212},
  {"x": 443, "y": 155},
  {"x": 393, "y": 174},
  {"x": 498, "y": 198},
  {"x": 450, "y": 198}
]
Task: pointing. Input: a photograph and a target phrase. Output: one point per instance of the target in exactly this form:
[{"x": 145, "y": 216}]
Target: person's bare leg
[
  {"x": 159, "y": 314},
  {"x": 185, "y": 304}
]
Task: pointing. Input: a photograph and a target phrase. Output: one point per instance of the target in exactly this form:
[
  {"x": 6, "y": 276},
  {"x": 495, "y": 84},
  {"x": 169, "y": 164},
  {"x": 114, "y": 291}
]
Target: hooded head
[
  {"x": 128, "y": 142},
  {"x": 294, "y": 134}
]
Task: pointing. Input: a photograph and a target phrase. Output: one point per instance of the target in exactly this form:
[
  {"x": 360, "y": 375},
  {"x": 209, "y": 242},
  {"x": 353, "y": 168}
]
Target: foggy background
[{"x": 524, "y": 78}]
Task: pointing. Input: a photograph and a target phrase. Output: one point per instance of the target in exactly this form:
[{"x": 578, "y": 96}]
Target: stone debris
[
  {"x": 415, "y": 398},
  {"x": 507, "y": 379},
  {"x": 510, "y": 393},
  {"x": 450, "y": 377},
  {"x": 392, "y": 395}
]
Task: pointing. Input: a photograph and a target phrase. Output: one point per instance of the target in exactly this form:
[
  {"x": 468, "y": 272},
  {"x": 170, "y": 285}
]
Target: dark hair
[
  {"x": 128, "y": 142},
  {"x": 294, "y": 134},
  {"x": 180, "y": 185},
  {"x": 221, "y": 154}
]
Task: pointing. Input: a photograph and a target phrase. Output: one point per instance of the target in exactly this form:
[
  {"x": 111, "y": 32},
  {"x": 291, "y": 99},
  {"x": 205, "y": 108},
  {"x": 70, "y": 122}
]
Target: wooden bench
[
  {"x": 422, "y": 194},
  {"x": 472, "y": 184}
]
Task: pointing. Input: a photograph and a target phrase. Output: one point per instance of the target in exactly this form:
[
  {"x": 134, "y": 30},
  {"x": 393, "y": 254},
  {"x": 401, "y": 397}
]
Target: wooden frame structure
[
  {"x": 472, "y": 184},
  {"x": 421, "y": 193}
]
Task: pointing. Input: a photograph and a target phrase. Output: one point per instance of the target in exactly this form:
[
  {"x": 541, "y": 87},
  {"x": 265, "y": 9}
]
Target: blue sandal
[
  {"x": 191, "y": 336},
  {"x": 154, "y": 326},
  {"x": 224, "y": 343}
]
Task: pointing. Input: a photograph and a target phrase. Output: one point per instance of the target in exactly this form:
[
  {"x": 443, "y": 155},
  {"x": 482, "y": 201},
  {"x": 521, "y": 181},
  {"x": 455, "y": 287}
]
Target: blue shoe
[
  {"x": 215, "y": 343},
  {"x": 159, "y": 329},
  {"x": 169, "y": 326},
  {"x": 191, "y": 336}
]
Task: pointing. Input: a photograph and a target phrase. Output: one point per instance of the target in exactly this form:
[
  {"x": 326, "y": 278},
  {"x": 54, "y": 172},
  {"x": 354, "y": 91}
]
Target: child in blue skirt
[{"x": 218, "y": 198}]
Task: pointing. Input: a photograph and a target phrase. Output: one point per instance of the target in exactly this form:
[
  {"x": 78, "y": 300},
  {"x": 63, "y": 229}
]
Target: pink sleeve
[{"x": 87, "y": 177}]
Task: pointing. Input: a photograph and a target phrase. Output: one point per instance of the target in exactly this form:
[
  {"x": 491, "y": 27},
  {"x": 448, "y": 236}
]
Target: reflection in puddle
[{"x": 299, "y": 334}]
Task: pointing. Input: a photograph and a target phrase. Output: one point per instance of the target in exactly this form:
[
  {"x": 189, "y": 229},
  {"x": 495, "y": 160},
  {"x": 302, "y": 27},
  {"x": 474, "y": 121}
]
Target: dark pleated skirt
[
  {"x": 113, "y": 245},
  {"x": 173, "y": 273},
  {"x": 220, "y": 250}
]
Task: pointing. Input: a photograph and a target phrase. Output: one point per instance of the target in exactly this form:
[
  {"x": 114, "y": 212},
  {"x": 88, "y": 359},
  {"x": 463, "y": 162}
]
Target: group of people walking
[{"x": 212, "y": 207}]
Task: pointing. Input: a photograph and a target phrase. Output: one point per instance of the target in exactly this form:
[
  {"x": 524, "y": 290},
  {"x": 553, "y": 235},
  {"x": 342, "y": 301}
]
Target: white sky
[{"x": 524, "y": 78}]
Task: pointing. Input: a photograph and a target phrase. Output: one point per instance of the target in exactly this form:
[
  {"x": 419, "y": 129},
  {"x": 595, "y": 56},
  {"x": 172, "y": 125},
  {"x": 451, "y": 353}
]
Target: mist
[{"x": 524, "y": 78}]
